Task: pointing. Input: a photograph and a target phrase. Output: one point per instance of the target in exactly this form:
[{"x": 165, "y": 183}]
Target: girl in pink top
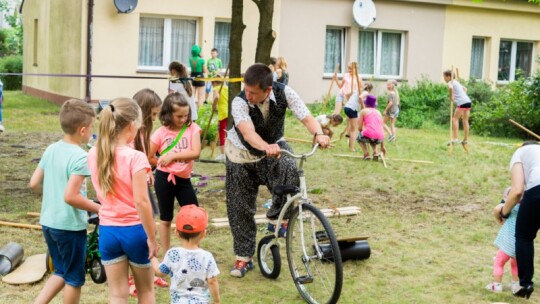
[
  {"x": 178, "y": 141},
  {"x": 370, "y": 124},
  {"x": 119, "y": 175}
]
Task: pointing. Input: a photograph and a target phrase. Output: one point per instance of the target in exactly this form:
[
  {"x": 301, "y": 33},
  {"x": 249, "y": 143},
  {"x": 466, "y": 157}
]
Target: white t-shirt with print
[
  {"x": 189, "y": 271},
  {"x": 529, "y": 157}
]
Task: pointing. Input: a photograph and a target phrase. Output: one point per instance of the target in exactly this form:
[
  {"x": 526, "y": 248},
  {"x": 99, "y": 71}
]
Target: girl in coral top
[
  {"x": 370, "y": 124},
  {"x": 178, "y": 142}
]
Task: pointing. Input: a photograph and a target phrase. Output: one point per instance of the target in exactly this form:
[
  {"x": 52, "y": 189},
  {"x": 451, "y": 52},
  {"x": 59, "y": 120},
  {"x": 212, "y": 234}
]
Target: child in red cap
[{"x": 193, "y": 270}]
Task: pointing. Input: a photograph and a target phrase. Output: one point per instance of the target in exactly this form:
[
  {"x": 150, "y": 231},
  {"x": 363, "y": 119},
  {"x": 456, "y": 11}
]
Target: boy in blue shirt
[{"x": 61, "y": 177}]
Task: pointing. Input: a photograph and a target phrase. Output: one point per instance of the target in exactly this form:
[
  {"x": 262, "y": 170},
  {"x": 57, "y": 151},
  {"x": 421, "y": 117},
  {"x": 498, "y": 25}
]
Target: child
[
  {"x": 506, "y": 242},
  {"x": 281, "y": 71},
  {"x": 127, "y": 229},
  {"x": 326, "y": 121},
  {"x": 61, "y": 177},
  {"x": 178, "y": 142},
  {"x": 198, "y": 69},
  {"x": 214, "y": 66},
  {"x": 458, "y": 94},
  {"x": 370, "y": 124},
  {"x": 221, "y": 103},
  {"x": 392, "y": 108},
  {"x": 193, "y": 270},
  {"x": 179, "y": 83}
]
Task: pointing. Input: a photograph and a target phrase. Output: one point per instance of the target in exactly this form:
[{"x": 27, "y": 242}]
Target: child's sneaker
[
  {"x": 240, "y": 268},
  {"x": 514, "y": 286},
  {"x": 494, "y": 287},
  {"x": 282, "y": 229},
  {"x": 453, "y": 142},
  {"x": 391, "y": 138}
]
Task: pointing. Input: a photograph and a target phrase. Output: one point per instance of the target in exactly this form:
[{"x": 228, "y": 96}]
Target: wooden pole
[
  {"x": 19, "y": 225},
  {"x": 393, "y": 159},
  {"x": 330, "y": 89},
  {"x": 525, "y": 129},
  {"x": 359, "y": 84},
  {"x": 212, "y": 114},
  {"x": 451, "y": 146}
]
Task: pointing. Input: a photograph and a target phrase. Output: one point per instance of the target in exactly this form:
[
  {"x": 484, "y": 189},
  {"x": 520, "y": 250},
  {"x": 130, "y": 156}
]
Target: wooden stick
[
  {"x": 451, "y": 146},
  {"x": 19, "y": 225},
  {"x": 291, "y": 139},
  {"x": 212, "y": 114},
  {"x": 330, "y": 89},
  {"x": 34, "y": 214},
  {"x": 396, "y": 159},
  {"x": 525, "y": 129},
  {"x": 358, "y": 83},
  {"x": 383, "y": 160}
]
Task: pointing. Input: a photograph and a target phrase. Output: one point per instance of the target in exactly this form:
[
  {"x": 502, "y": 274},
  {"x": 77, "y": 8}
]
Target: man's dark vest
[{"x": 273, "y": 129}]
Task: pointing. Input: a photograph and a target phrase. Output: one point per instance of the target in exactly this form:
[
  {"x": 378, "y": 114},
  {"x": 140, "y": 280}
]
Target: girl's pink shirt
[
  {"x": 164, "y": 136},
  {"x": 373, "y": 124},
  {"x": 118, "y": 209},
  {"x": 346, "y": 84}
]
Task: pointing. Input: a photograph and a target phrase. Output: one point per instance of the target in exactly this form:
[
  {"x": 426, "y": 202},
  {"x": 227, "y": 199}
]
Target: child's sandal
[
  {"x": 376, "y": 157},
  {"x": 159, "y": 282},
  {"x": 367, "y": 157}
]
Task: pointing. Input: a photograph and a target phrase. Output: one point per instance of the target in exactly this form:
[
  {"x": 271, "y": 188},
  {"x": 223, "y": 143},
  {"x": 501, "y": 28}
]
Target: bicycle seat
[
  {"x": 286, "y": 189},
  {"x": 93, "y": 219}
]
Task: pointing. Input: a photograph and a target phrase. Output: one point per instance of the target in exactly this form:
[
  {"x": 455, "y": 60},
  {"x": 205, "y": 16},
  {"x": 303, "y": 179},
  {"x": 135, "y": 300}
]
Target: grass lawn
[{"x": 430, "y": 225}]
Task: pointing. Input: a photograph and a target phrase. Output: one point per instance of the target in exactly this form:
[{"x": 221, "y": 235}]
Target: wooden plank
[
  {"x": 261, "y": 216},
  {"x": 19, "y": 225},
  {"x": 265, "y": 220}
]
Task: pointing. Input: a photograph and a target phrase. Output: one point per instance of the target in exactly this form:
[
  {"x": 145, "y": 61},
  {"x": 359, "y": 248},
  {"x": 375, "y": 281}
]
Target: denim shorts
[
  {"x": 350, "y": 112},
  {"x": 117, "y": 243},
  {"x": 68, "y": 252}
]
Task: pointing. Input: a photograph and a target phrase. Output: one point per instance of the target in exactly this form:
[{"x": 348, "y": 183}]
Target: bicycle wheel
[
  {"x": 269, "y": 263},
  {"x": 317, "y": 274}
]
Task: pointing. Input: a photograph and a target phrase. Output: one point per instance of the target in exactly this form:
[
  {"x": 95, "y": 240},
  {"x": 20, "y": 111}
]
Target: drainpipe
[{"x": 89, "y": 33}]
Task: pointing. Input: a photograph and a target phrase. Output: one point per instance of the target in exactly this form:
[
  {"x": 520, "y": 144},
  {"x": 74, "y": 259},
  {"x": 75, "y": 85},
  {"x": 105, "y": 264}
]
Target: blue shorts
[
  {"x": 68, "y": 252},
  {"x": 117, "y": 243},
  {"x": 208, "y": 87},
  {"x": 350, "y": 112}
]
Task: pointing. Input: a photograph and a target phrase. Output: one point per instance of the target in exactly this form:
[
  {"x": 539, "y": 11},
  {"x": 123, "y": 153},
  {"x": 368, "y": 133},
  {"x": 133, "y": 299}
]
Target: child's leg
[
  {"x": 200, "y": 92},
  {"x": 353, "y": 133},
  {"x": 465, "y": 121},
  {"x": 52, "y": 287},
  {"x": 144, "y": 282},
  {"x": 72, "y": 294},
  {"x": 165, "y": 193},
  {"x": 222, "y": 125},
  {"x": 385, "y": 126},
  {"x": 455, "y": 122},
  {"x": 393, "y": 125},
  {"x": 498, "y": 265},
  {"x": 117, "y": 279},
  {"x": 514, "y": 269},
  {"x": 364, "y": 148},
  {"x": 374, "y": 148}
]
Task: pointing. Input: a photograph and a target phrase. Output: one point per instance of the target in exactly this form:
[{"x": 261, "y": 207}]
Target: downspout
[{"x": 89, "y": 33}]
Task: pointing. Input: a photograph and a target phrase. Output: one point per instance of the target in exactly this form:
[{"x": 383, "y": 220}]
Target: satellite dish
[
  {"x": 364, "y": 12},
  {"x": 125, "y": 6}
]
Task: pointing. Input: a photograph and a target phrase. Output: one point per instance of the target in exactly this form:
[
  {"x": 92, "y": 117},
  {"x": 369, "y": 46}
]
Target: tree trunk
[
  {"x": 266, "y": 35},
  {"x": 235, "y": 47}
]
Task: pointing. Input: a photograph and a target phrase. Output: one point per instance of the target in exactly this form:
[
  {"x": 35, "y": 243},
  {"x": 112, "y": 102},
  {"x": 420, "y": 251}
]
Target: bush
[
  {"x": 11, "y": 64},
  {"x": 204, "y": 115}
]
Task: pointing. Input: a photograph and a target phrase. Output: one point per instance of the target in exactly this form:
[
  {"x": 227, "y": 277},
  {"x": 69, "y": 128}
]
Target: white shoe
[
  {"x": 2, "y": 129},
  {"x": 220, "y": 158},
  {"x": 514, "y": 286},
  {"x": 495, "y": 287}
]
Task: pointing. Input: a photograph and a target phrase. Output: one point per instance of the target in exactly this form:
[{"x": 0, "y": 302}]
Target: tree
[
  {"x": 266, "y": 35},
  {"x": 235, "y": 47},
  {"x": 11, "y": 38}
]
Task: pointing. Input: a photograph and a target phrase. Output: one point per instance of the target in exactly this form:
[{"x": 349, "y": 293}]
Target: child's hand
[
  {"x": 497, "y": 212},
  {"x": 152, "y": 248},
  {"x": 165, "y": 160},
  {"x": 150, "y": 178}
]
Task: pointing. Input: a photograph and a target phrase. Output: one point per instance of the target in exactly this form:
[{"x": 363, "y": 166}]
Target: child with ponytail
[{"x": 127, "y": 230}]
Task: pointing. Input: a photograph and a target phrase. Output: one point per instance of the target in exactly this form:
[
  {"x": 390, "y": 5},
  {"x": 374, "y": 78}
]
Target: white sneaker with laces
[
  {"x": 514, "y": 286},
  {"x": 220, "y": 158},
  {"x": 495, "y": 287}
]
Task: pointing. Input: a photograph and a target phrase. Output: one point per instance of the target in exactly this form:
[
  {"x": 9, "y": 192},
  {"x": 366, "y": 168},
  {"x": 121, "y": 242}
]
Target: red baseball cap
[{"x": 191, "y": 219}]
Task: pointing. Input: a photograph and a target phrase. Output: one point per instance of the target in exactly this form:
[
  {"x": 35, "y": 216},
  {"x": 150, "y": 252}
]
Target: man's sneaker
[
  {"x": 282, "y": 229},
  {"x": 495, "y": 287},
  {"x": 240, "y": 268},
  {"x": 453, "y": 142}
]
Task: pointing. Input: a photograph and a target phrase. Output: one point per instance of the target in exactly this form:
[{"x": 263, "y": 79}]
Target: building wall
[
  {"x": 303, "y": 38},
  {"x": 465, "y": 22},
  {"x": 59, "y": 47}
]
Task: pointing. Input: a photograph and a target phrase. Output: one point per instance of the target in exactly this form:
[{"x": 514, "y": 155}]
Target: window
[
  {"x": 333, "y": 52},
  {"x": 477, "y": 58},
  {"x": 164, "y": 40},
  {"x": 514, "y": 57},
  {"x": 222, "y": 35},
  {"x": 380, "y": 53}
]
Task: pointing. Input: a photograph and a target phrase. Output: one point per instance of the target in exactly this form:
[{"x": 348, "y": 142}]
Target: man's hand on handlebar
[
  {"x": 273, "y": 150},
  {"x": 323, "y": 141}
]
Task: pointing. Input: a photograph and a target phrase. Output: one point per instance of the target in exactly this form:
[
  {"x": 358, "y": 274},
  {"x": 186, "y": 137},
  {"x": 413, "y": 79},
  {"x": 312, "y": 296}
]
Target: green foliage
[
  {"x": 204, "y": 115},
  {"x": 11, "y": 64},
  {"x": 11, "y": 38}
]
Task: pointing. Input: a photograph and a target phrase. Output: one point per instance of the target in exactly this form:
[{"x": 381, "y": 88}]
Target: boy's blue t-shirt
[{"x": 59, "y": 161}]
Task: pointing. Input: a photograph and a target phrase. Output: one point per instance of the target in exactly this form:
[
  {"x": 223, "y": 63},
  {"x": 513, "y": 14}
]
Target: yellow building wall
[
  {"x": 486, "y": 20},
  {"x": 59, "y": 48}
]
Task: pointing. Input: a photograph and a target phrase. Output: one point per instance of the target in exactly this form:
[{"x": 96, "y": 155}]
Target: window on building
[
  {"x": 35, "y": 48},
  {"x": 380, "y": 53},
  {"x": 515, "y": 58},
  {"x": 477, "y": 58},
  {"x": 334, "y": 47},
  {"x": 162, "y": 40},
  {"x": 222, "y": 35}
]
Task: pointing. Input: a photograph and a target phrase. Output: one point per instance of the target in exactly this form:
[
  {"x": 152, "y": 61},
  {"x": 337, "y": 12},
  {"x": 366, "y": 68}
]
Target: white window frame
[
  {"x": 377, "y": 51},
  {"x": 342, "y": 65},
  {"x": 167, "y": 30},
  {"x": 513, "y": 55},
  {"x": 484, "y": 40}
]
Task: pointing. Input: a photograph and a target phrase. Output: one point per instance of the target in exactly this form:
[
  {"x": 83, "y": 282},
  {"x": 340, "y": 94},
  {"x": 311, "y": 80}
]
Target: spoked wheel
[
  {"x": 317, "y": 274},
  {"x": 269, "y": 257},
  {"x": 97, "y": 271}
]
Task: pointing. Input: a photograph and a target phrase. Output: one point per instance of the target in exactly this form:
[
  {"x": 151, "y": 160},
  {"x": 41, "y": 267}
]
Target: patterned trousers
[{"x": 242, "y": 185}]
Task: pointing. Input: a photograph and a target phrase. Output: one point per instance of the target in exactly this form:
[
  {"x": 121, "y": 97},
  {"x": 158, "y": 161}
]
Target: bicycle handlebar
[{"x": 306, "y": 155}]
